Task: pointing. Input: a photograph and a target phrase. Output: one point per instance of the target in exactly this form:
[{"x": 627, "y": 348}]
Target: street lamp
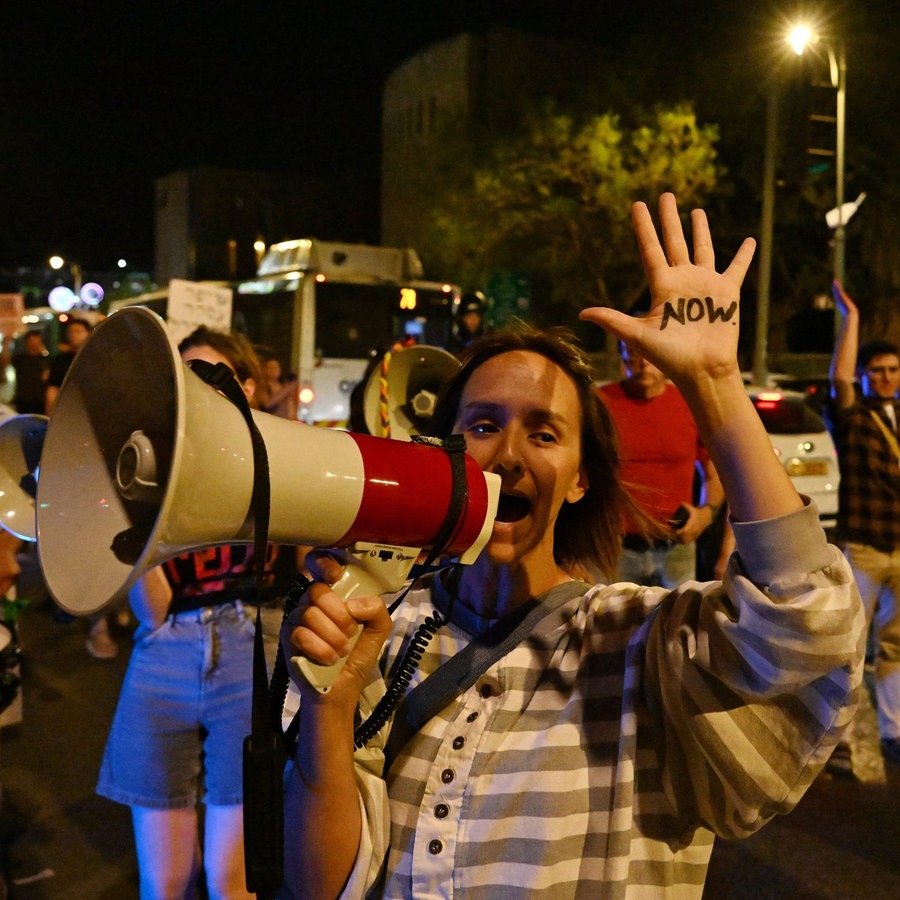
[
  {"x": 62, "y": 298},
  {"x": 57, "y": 262},
  {"x": 800, "y": 38}
]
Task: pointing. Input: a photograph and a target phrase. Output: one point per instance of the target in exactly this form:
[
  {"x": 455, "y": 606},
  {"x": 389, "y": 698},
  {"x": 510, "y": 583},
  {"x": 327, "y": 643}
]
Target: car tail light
[{"x": 768, "y": 399}]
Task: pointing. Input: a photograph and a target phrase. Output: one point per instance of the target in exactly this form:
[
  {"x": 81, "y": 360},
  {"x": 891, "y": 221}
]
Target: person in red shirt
[{"x": 661, "y": 454}]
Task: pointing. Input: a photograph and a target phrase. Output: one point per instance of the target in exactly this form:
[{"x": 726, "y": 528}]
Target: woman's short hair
[{"x": 587, "y": 533}]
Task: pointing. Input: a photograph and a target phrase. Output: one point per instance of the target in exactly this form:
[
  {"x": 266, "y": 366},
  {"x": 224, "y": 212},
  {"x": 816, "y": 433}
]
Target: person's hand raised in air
[{"x": 691, "y": 330}]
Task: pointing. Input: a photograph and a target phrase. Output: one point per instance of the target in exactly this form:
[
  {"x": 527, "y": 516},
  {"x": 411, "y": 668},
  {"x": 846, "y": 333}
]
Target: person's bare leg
[
  {"x": 168, "y": 852},
  {"x": 223, "y": 849}
]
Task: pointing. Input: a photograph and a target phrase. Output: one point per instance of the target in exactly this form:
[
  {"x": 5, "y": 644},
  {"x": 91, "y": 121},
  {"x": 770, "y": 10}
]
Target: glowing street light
[{"x": 798, "y": 37}]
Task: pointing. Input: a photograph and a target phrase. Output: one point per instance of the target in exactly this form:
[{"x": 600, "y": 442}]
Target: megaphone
[
  {"x": 401, "y": 390},
  {"x": 21, "y": 440},
  {"x": 143, "y": 461}
]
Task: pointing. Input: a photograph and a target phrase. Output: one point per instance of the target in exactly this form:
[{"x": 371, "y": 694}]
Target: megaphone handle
[{"x": 370, "y": 570}]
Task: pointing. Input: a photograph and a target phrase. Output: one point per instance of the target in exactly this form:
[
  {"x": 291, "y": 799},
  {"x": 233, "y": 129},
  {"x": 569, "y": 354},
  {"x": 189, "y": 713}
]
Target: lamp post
[
  {"x": 766, "y": 229},
  {"x": 57, "y": 262},
  {"x": 767, "y": 226},
  {"x": 838, "y": 67},
  {"x": 801, "y": 38}
]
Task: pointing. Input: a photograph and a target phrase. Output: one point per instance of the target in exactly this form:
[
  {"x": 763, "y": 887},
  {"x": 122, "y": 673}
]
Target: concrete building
[
  {"x": 214, "y": 223},
  {"x": 469, "y": 86}
]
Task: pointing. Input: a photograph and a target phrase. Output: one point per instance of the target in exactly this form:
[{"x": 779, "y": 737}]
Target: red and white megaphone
[
  {"x": 143, "y": 461},
  {"x": 21, "y": 440}
]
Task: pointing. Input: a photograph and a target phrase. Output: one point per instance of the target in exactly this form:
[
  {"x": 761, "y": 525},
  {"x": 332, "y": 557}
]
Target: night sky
[{"x": 99, "y": 99}]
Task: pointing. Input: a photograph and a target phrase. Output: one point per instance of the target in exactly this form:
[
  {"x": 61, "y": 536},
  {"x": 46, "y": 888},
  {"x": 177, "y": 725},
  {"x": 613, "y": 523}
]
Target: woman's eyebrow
[
  {"x": 481, "y": 407},
  {"x": 535, "y": 415},
  {"x": 548, "y": 416}
]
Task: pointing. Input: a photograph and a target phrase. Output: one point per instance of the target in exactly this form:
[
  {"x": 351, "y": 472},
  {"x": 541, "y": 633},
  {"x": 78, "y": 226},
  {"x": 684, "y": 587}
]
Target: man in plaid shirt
[{"x": 865, "y": 432}]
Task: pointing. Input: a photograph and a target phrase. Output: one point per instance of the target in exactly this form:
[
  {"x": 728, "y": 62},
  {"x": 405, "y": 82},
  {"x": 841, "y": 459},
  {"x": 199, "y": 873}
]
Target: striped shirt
[{"x": 601, "y": 755}]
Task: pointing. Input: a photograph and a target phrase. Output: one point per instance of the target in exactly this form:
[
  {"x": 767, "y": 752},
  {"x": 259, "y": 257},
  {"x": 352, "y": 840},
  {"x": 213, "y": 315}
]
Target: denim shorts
[{"x": 183, "y": 713}]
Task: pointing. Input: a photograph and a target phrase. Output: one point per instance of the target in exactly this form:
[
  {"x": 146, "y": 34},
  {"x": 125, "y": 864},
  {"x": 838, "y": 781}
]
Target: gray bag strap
[{"x": 462, "y": 671}]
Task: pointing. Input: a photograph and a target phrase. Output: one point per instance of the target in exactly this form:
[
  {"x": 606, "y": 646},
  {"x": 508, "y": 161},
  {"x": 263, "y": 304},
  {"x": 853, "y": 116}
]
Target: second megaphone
[
  {"x": 21, "y": 440},
  {"x": 143, "y": 461}
]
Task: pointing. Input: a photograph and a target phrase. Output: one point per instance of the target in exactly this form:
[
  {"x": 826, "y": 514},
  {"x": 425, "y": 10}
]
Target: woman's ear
[
  {"x": 579, "y": 487},
  {"x": 249, "y": 387}
]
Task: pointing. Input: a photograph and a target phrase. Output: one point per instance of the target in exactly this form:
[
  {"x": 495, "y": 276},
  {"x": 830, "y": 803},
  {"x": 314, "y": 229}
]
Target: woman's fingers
[
  {"x": 651, "y": 250},
  {"x": 323, "y": 566},
  {"x": 738, "y": 267},
  {"x": 321, "y": 627},
  {"x": 674, "y": 241},
  {"x": 704, "y": 255}
]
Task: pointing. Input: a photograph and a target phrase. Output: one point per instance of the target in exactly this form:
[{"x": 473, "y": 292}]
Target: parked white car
[{"x": 803, "y": 444}]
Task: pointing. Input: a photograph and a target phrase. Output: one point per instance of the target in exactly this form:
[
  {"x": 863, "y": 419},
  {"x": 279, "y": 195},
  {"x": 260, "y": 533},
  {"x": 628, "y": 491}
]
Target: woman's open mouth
[{"x": 512, "y": 507}]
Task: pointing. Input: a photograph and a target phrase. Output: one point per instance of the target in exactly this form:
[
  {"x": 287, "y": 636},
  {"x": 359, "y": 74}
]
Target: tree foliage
[{"x": 555, "y": 201}]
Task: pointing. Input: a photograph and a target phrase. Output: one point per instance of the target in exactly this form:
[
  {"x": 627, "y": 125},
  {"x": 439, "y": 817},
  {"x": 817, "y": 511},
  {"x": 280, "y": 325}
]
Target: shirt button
[
  {"x": 435, "y": 847},
  {"x": 459, "y": 743},
  {"x": 442, "y": 810},
  {"x": 447, "y": 776},
  {"x": 472, "y": 717}
]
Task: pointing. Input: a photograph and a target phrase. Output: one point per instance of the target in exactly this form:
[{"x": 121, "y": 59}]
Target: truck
[{"x": 327, "y": 309}]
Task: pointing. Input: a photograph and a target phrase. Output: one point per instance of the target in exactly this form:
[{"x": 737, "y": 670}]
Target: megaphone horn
[
  {"x": 401, "y": 390},
  {"x": 21, "y": 440},
  {"x": 143, "y": 461}
]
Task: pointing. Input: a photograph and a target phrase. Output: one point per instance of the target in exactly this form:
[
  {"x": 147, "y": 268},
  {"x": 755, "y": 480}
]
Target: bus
[{"x": 325, "y": 309}]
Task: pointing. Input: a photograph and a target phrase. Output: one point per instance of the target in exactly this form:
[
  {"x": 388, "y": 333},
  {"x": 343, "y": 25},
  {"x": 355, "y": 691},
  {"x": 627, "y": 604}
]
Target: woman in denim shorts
[{"x": 184, "y": 709}]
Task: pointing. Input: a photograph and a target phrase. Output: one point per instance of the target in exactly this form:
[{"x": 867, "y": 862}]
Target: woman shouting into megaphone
[{"x": 620, "y": 728}]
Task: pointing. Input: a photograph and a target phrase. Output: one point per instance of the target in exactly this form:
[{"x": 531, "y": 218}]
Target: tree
[{"x": 556, "y": 201}]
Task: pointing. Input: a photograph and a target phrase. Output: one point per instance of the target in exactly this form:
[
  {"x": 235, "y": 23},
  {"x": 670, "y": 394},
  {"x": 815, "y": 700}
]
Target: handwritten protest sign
[{"x": 192, "y": 304}]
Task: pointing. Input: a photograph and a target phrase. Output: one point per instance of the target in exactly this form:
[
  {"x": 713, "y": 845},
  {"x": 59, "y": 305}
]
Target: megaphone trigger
[{"x": 371, "y": 570}]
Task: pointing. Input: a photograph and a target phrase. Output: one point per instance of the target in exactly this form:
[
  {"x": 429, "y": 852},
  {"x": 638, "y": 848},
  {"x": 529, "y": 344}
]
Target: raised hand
[
  {"x": 846, "y": 307},
  {"x": 692, "y": 326}
]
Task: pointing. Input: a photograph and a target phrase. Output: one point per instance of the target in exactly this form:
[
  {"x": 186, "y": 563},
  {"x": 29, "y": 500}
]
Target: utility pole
[{"x": 766, "y": 232}]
